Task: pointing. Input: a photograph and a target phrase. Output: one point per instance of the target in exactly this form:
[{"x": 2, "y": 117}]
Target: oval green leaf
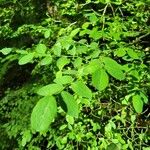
[
  {"x": 74, "y": 32},
  {"x": 26, "y": 59},
  {"x": 92, "y": 67},
  {"x": 113, "y": 68},
  {"x": 112, "y": 146},
  {"x": 132, "y": 54},
  {"x": 100, "y": 79},
  {"x": 64, "y": 80},
  {"x": 81, "y": 89},
  {"x": 57, "y": 49},
  {"x": 43, "y": 113},
  {"x": 144, "y": 97},
  {"x": 78, "y": 62},
  {"x": 72, "y": 106},
  {"x": 61, "y": 62},
  {"x": 46, "y": 61},
  {"x": 41, "y": 48},
  {"x": 6, "y": 51},
  {"x": 137, "y": 103},
  {"x": 47, "y": 33},
  {"x": 120, "y": 52},
  {"x": 26, "y": 137},
  {"x": 50, "y": 89}
]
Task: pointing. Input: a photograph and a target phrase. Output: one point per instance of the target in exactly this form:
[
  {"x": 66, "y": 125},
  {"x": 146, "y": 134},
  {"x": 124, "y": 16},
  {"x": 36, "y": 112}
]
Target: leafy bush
[{"x": 74, "y": 74}]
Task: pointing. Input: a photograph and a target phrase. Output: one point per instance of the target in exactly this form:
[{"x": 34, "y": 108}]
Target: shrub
[{"x": 74, "y": 74}]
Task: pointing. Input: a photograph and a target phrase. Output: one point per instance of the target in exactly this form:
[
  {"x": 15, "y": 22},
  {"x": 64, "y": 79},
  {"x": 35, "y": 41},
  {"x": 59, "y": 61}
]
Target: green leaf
[
  {"x": 61, "y": 62},
  {"x": 93, "y": 18},
  {"x": 78, "y": 62},
  {"x": 64, "y": 80},
  {"x": 70, "y": 119},
  {"x": 41, "y": 48},
  {"x": 72, "y": 106},
  {"x": 146, "y": 148},
  {"x": 26, "y": 137},
  {"x": 6, "y": 51},
  {"x": 92, "y": 66},
  {"x": 95, "y": 34},
  {"x": 95, "y": 54},
  {"x": 46, "y": 61},
  {"x": 72, "y": 51},
  {"x": 82, "y": 49},
  {"x": 66, "y": 42},
  {"x": 22, "y": 52},
  {"x": 85, "y": 25},
  {"x": 126, "y": 99},
  {"x": 50, "y": 89},
  {"x": 57, "y": 49},
  {"x": 74, "y": 32},
  {"x": 94, "y": 46},
  {"x": 144, "y": 97},
  {"x": 47, "y": 33},
  {"x": 132, "y": 54},
  {"x": 81, "y": 89},
  {"x": 112, "y": 146},
  {"x": 111, "y": 62},
  {"x": 26, "y": 59},
  {"x": 43, "y": 113},
  {"x": 113, "y": 68},
  {"x": 85, "y": 31},
  {"x": 120, "y": 52},
  {"x": 70, "y": 72},
  {"x": 63, "y": 127},
  {"x": 100, "y": 79},
  {"x": 137, "y": 103}
]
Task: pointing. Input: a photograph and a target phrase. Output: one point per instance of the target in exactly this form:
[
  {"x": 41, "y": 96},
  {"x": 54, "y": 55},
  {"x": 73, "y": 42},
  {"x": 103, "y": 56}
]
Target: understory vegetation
[{"x": 74, "y": 74}]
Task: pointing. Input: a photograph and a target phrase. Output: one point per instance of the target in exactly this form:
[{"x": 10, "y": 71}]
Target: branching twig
[
  {"x": 103, "y": 15},
  {"x": 112, "y": 9},
  {"x": 139, "y": 38},
  {"x": 121, "y": 11}
]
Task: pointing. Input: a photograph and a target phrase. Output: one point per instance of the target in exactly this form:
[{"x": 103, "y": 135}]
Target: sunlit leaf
[
  {"x": 46, "y": 61},
  {"x": 41, "y": 48},
  {"x": 137, "y": 103},
  {"x": 100, "y": 79},
  {"x": 43, "y": 113},
  {"x": 78, "y": 62},
  {"x": 92, "y": 66},
  {"x": 85, "y": 25},
  {"x": 120, "y": 52},
  {"x": 74, "y": 32},
  {"x": 26, "y": 137},
  {"x": 81, "y": 89},
  {"x": 26, "y": 59},
  {"x": 95, "y": 34},
  {"x": 61, "y": 62},
  {"x": 132, "y": 54},
  {"x": 113, "y": 68},
  {"x": 112, "y": 146},
  {"x": 82, "y": 49},
  {"x": 144, "y": 97},
  {"x": 72, "y": 106},
  {"x": 57, "y": 49},
  {"x": 70, "y": 119},
  {"x": 47, "y": 34},
  {"x": 6, "y": 51},
  {"x": 93, "y": 18},
  {"x": 66, "y": 42},
  {"x": 50, "y": 89},
  {"x": 64, "y": 80}
]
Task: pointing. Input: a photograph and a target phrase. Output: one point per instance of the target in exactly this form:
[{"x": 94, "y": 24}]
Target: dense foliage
[{"x": 74, "y": 74}]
